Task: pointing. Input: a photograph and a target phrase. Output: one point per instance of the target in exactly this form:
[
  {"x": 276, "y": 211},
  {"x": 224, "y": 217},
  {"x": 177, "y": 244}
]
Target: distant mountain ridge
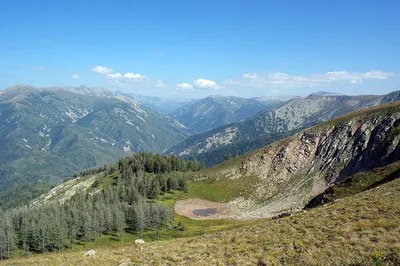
[
  {"x": 160, "y": 105},
  {"x": 213, "y": 146},
  {"x": 325, "y": 93},
  {"x": 50, "y": 133},
  {"x": 215, "y": 111}
]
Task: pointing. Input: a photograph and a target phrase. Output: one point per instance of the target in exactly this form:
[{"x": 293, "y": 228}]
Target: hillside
[
  {"x": 345, "y": 164},
  {"x": 216, "y": 111},
  {"x": 362, "y": 229},
  {"x": 213, "y": 146},
  {"x": 119, "y": 198},
  {"x": 50, "y": 133},
  {"x": 287, "y": 174}
]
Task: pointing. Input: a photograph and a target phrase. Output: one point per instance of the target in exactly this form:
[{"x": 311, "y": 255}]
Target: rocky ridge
[
  {"x": 291, "y": 172},
  {"x": 269, "y": 126}
]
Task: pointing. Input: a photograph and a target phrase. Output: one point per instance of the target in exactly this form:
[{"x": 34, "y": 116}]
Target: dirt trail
[{"x": 199, "y": 209}]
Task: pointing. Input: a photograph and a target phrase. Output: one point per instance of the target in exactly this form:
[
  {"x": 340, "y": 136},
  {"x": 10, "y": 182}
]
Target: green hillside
[
  {"x": 51, "y": 133},
  {"x": 361, "y": 229}
]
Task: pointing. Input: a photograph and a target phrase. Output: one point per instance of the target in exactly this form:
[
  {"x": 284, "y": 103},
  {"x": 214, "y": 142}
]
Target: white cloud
[
  {"x": 201, "y": 84},
  {"x": 278, "y": 79},
  {"x": 132, "y": 76},
  {"x": 275, "y": 91},
  {"x": 102, "y": 70},
  {"x": 185, "y": 86},
  {"x": 205, "y": 84},
  {"x": 75, "y": 76},
  {"x": 126, "y": 78},
  {"x": 115, "y": 76}
]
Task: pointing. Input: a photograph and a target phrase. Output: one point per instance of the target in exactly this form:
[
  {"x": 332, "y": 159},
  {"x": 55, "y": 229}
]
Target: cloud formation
[
  {"x": 199, "y": 84},
  {"x": 256, "y": 82},
  {"x": 185, "y": 86},
  {"x": 205, "y": 84},
  {"x": 75, "y": 76},
  {"x": 117, "y": 77},
  {"x": 129, "y": 75},
  {"x": 102, "y": 70},
  {"x": 279, "y": 79},
  {"x": 126, "y": 77}
]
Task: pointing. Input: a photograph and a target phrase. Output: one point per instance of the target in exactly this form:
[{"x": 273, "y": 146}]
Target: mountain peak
[
  {"x": 216, "y": 96},
  {"x": 89, "y": 91}
]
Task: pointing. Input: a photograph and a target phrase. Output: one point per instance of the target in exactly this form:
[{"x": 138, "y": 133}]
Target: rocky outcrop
[
  {"x": 289, "y": 118},
  {"x": 293, "y": 171}
]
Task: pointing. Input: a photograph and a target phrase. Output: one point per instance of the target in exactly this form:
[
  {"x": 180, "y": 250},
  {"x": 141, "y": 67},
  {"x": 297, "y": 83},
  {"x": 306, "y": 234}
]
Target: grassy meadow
[{"x": 361, "y": 229}]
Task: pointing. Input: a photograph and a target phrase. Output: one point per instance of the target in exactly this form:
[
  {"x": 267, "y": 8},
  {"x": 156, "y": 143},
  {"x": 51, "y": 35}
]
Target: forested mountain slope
[
  {"x": 115, "y": 198},
  {"x": 50, "y": 133}
]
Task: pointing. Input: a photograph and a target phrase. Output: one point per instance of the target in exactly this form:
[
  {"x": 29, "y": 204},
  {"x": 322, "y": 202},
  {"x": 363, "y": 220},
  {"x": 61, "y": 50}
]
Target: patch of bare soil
[{"x": 199, "y": 209}]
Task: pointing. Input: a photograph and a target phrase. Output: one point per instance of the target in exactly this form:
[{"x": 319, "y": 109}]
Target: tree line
[
  {"x": 125, "y": 206},
  {"x": 147, "y": 162}
]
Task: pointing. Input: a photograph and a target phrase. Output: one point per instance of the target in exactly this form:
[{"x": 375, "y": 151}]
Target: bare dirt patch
[{"x": 199, "y": 209}]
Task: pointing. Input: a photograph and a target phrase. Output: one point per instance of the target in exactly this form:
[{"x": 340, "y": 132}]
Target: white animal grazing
[
  {"x": 90, "y": 253},
  {"x": 139, "y": 242}
]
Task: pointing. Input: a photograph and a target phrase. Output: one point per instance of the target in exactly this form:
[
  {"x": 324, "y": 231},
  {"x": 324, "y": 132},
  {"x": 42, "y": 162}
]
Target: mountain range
[
  {"x": 347, "y": 164},
  {"x": 214, "y": 146},
  {"x": 216, "y": 111},
  {"x": 160, "y": 105},
  {"x": 49, "y": 133},
  {"x": 288, "y": 174}
]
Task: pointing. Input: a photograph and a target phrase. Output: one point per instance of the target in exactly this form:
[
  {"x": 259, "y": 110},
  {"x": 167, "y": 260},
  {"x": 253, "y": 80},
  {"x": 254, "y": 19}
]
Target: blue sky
[{"x": 196, "y": 48}]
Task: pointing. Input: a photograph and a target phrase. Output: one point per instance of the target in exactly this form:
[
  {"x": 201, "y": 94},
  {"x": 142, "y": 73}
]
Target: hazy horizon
[{"x": 188, "y": 98}]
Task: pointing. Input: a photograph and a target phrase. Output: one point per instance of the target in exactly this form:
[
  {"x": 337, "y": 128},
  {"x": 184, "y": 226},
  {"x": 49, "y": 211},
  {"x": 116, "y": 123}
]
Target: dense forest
[
  {"x": 146, "y": 162},
  {"x": 128, "y": 205}
]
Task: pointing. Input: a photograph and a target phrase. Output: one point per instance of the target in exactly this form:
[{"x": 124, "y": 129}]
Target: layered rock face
[
  {"x": 272, "y": 125},
  {"x": 291, "y": 172}
]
